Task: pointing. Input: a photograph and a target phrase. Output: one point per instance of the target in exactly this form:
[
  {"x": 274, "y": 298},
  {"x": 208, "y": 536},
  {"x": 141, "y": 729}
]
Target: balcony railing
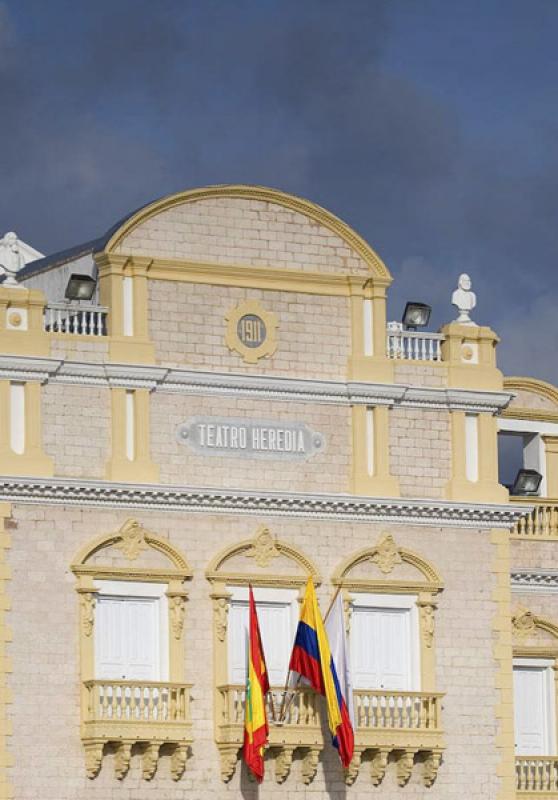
[
  {"x": 80, "y": 320},
  {"x": 151, "y": 713},
  {"x": 537, "y": 774},
  {"x": 385, "y": 722},
  {"x": 413, "y": 345},
  {"x": 541, "y": 523},
  {"x": 132, "y": 701},
  {"x": 412, "y": 711}
]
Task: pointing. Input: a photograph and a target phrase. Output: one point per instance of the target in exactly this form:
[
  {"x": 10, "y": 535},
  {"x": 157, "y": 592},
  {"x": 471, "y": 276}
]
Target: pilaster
[
  {"x": 368, "y": 361},
  {"x": 371, "y": 475},
  {"x": 130, "y": 459},
  {"x": 470, "y": 354}
]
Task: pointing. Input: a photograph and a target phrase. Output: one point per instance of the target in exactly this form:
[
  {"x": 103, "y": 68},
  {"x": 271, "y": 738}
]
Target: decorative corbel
[
  {"x": 431, "y": 765},
  {"x": 149, "y": 758},
  {"x": 378, "y": 766},
  {"x": 283, "y": 761},
  {"x": 351, "y": 772},
  {"x": 229, "y": 756},
  {"x": 309, "y": 764},
  {"x": 178, "y": 761},
  {"x": 93, "y": 758},
  {"x": 405, "y": 766},
  {"x": 122, "y": 759}
]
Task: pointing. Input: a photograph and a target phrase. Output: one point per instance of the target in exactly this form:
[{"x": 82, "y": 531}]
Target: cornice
[
  {"x": 338, "y": 507},
  {"x": 534, "y": 580},
  {"x": 184, "y": 381}
]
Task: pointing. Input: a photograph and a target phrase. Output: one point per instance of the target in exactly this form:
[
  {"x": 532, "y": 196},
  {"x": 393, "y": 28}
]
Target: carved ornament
[
  {"x": 378, "y": 766},
  {"x": 132, "y": 539},
  {"x": 405, "y": 766},
  {"x": 177, "y": 605},
  {"x": 387, "y": 554},
  {"x": 431, "y": 766},
  {"x": 524, "y": 624},
  {"x": 87, "y": 606},
  {"x": 283, "y": 762},
  {"x": 309, "y": 765},
  {"x": 264, "y": 548},
  {"x": 178, "y": 761}
]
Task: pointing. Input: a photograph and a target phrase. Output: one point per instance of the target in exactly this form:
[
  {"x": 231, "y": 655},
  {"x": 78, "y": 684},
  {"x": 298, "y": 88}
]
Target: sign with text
[{"x": 223, "y": 436}]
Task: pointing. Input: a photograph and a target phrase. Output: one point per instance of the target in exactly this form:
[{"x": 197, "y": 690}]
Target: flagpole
[
  {"x": 282, "y": 709},
  {"x": 334, "y": 598}
]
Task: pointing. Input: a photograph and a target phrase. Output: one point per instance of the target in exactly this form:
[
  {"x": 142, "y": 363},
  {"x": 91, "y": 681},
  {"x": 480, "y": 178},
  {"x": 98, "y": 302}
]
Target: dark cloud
[{"x": 431, "y": 127}]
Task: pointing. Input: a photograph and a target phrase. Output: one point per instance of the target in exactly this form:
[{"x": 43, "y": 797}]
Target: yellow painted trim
[
  {"x": 478, "y": 373},
  {"x": 120, "y": 468},
  {"x": 91, "y": 548},
  {"x": 502, "y": 651},
  {"x": 263, "y": 548},
  {"x": 545, "y": 390},
  {"x": 270, "y": 278},
  {"x": 538, "y": 415},
  {"x": 376, "y": 367},
  {"x": 131, "y": 538},
  {"x": 486, "y": 489},
  {"x": 6, "y": 760},
  {"x": 320, "y": 215},
  {"x": 380, "y": 483},
  {"x": 33, "y": 461},
  {"x": 25, "y": 341},
  {"x": 267, "y": 348},
  {"x": 386, "y": 554}
]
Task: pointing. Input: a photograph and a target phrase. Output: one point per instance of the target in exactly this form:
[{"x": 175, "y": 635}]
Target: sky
[{"x": 431, "y": 126}]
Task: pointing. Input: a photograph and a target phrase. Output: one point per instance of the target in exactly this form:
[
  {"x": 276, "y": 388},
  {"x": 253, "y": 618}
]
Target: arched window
[
  {"x": 132, "y": 601},
  {"x": 278, "y": 573},
  {"x": 390, "y": 596},
  {"x": 535, "y": 672}
]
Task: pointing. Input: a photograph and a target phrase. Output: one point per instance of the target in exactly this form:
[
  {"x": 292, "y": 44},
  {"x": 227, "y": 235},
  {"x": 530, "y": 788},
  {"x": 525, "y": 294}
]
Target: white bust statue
[
  {"x": 11, "y": 258},
  {"x": 464, "y": 300}
]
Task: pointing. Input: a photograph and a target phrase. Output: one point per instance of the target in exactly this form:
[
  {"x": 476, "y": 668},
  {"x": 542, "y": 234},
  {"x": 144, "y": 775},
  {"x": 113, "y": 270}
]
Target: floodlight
[
  {"x": 416, "y": 315},
  {"x": 80, "y": 287},
  {"x": 527, "y": 482}
]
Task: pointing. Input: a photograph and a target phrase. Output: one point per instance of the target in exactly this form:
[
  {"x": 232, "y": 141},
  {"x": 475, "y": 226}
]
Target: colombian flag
[
  {"x": 256, "y": 729},
  {"x": 311, "y": 658}
]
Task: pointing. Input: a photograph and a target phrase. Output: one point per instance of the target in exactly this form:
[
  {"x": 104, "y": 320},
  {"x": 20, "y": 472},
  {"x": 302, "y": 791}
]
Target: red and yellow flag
[{"x": 256, "y": 729}]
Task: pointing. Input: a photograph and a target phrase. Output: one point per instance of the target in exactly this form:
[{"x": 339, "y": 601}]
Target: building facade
[{"x": 230, "y": 406}]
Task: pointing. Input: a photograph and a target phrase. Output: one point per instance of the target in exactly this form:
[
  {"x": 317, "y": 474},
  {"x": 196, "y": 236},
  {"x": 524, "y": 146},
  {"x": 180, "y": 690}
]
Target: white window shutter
[{"x": 533, "y": 712}]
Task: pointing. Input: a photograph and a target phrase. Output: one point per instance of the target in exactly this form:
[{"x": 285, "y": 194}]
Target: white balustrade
[
  {"x": 142, "y": 701},
  {"x": 413, "y": 345},
  {"x": 541, "y": 523},
  {"x": 298, "y": 707},
  {"x": 80, "y": 320},
  {"x": 537, "y": 774},
  {"x": 373, "y": 709},
  {"x": 397, "y": 710}
]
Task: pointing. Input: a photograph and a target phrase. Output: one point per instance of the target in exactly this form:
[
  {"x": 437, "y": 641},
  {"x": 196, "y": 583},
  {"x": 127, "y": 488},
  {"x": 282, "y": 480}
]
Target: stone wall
[
  {"x": 420, "y": 451},
  {"x": 246, "y": 232},
  {"x": 187, "y": 325},
  {"x": 76, "y": 426},
  {"x": 48, "y": 756},
  {"x": 325, "y": 471}
]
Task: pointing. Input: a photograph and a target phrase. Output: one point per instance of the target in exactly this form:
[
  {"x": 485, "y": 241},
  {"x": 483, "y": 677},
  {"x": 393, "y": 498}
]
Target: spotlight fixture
[
  {"x": 80, "y": 287},
  {"x": 416, "y": 315},
  {"x": 527, "y": 482}
]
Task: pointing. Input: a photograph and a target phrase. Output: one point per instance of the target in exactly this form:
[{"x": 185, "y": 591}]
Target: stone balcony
[
  {"x": 400, "y": 726},
  {"x": 541, "y": 523},
  {"x": 150, "y": 714},
  {"x": 537, "y": 776}
]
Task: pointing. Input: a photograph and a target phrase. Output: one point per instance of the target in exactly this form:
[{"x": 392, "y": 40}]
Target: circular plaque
[{"x": 251, "y": 330}]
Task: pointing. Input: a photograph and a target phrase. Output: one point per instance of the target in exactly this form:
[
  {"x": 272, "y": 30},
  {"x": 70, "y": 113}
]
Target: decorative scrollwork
[
  {"x": 149, "y": 759},
  {"x": 178, "y": 761},
  {"x": 122, "y": 760},
  {"x": 351, "y": 772},
  {"x": 523, "y": 622},
  {"x": 229, "y": 757},
  {"x": 427, "y": 622},
  {"x": 93, "y": 758},
  {"x": 405, "y": 766},
  {"x": 283, "y": 762},
  {"x": 378, "y": 766},
  {"x": 309, "y": 765},
  {"x": 430, "y": 769}
]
